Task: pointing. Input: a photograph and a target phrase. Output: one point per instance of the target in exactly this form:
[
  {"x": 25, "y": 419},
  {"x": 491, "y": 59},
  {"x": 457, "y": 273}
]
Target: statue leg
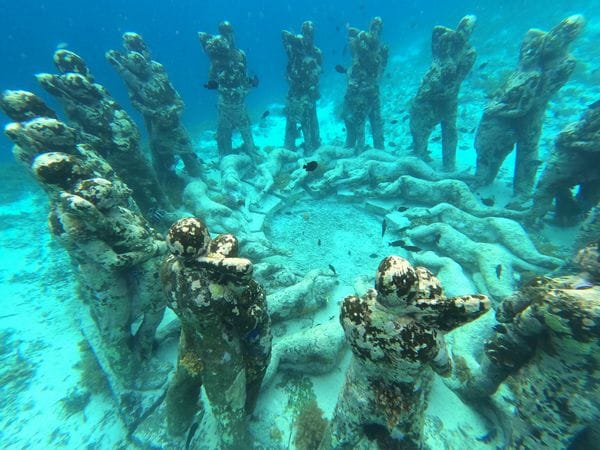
[
  {"x": 494, "y": 141},
  {"x": 422, "y": 121}
]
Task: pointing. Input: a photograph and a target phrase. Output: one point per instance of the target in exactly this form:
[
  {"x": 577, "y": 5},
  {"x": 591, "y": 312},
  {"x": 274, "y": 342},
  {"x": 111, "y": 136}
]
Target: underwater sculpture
[
  {"x": 118, "y": 256},
  {"x": 437, "y": 98},
  {"x": 362, "y": 100},
  {"x": 228, "y": 75},
  {"x": 545, "y": 354},
  {"x": 151, "y": 93},
  {"x": 515, "y": 114},
  {"x": 225, "y": 342},
  {"x": 573, "y": 161},
  {"x": 22, "y": 106},
  {"x": 101, "y": 122},
  {"x": 396, "y": 335},
  {"x": 303, "y": 71}
]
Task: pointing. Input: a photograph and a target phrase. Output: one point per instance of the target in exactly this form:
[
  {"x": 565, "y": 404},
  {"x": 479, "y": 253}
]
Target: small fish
[
  {"x": 319, "y": 242},
  {"x": 383, "y": 227},
  {"x": 488, "y": 201},
  {"x": 472, "y": 130},
  {"x": 398, "y": 243},
  {"x": 436, "y": 138},
  {"x": 332, "y": 317},
  {"x": 499, "y": 328},
  {"x": 488, "y": 437},
  {"x": 463, "y": 130},
  {"x": 394, "y": 121},
  {"x": 332, "y": 269},
  {"x": 499, "y": 271},
  {"x": 412, "y": 248},
  {"x": 340, "y": 69},
  {"x": 483, "y": 65},
  {"x": 349, "y": 253},
  {"x": 212, "y": 84},
  {"x": 392, "y": 144},
  {"x": 437, "y": 238},
  {"x": 253, "y": 81},
  {"x": 405, "y": 118},
  {"x": 583, "y": 284},
  {"x": 310, "y": 166},
  {"x": 402, "y": 208},
  {"x": 265, "y": 114},
  {"x": 373, "y": 255}
]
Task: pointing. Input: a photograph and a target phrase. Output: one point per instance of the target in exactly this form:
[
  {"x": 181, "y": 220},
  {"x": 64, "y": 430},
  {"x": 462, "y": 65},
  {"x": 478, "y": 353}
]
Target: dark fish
[
  {"x": 349, "y": 253},
  {"x": 332, "y": 317},
  {"x": 412, "y": 248},
  {"x": 499, "y": 328},
  {"x": 499, "y": 270},
  {"x": 483, "y": 65},
  {"x": 398, "y": 243},
  {"x": 332, "y": 269},
  {"x": 436, "y": 138},
  {"x": 265, "y": 114},
  {"x": 340, "y": 69},
  {"x": 463, "y": 130},
  {"x": 405, "y": 118},
  {"x": 393, "y": 121},
  {"x": 392, "y": 144},
  {"x": 191, "y": 434},
  {"x": 401, "y": 208},
  {"x": 253, "y": 81},
  {"x": 383, "y": 227},
  {"x": 310, "y": 166},
  {"x": 488, "y": 437},
  {"x": 437, "y": 238},
  {"x": 319, "y": 242},
  {"x": 488, "y": 201},
  {"x": 472, "y": 130},
  {"x": 211, "y": 84},
  {"x": 373, "y": 255}
]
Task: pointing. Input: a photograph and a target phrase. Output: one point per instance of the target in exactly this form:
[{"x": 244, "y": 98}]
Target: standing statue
[
  {"x": 437, "y": 98},
  {"x": 396, "y": 333},
  {"x": 515, "y": 114},
  {"x": 228, "y": 75},
  {"x": 225, "y": 341},
  {"x": 362, "y": 100},
  {"x": 303, "y": 72}
]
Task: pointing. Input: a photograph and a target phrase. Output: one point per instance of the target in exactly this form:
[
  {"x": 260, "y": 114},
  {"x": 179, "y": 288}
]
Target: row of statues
[{"x": 102, "y": 191}]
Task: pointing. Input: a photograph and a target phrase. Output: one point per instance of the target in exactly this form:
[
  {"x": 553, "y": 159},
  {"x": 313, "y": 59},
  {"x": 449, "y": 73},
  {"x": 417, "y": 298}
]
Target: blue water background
[{"x": 32, "y": 30}]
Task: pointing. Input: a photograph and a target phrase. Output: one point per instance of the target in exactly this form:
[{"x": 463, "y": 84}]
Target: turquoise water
[{"x": 313, "y": 237}]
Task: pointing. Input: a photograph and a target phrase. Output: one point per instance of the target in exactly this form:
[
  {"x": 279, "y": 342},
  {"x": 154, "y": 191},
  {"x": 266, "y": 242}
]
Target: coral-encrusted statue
[
  {"x": 225, "y": 340},
  {"x": 396, "y": 335}
]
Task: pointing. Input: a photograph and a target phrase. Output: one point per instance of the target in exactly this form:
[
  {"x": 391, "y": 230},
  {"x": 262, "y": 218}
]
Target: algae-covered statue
[
  {"x": 545, "y": 353},
  {"x": 396, "y": 333},
  {"x": 437, "y": 98},
  {"x": 303, "y": 71},
  {"x": 228, "y": 75},
  {"x": 118, "y": 256},
  {"x": 151, "y": 93},
  {"x": 515, "y": 114},
  {"x": 573, "y": 162},
  {"x": 225, "y": 342},
  {"x": 362, "y": 100}
]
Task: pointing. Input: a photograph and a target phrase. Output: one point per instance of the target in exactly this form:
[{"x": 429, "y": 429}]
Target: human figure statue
[
  {"x": 303, "y": 71},
  {"x": 396, "y": 334},
  {"x": 573, "y": 162},
  {"x": 362, "y": 101},
  {"x": 546, "y": 351},
  {"x": 101, "y": 122},
  {"x": 436, "y": 101},
  {"x": 515, "y": 114},
  {"x": 225, "y": 342},
  {"x": 153, "y": 95},
  {"x": 118, "y": 257},
  {"x": 228, "y": 75}
]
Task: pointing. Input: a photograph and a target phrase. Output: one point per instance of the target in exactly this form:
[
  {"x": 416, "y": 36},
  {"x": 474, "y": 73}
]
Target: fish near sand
[
  {"x": 265, "y": 114},
  {"x": 499, "y": 271},
  {"x": 310, "y": 166},
  {"x": 332, "y": 269},
  {"x": 383, "y": 227},
  {"x": 398, "y": 243}
]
